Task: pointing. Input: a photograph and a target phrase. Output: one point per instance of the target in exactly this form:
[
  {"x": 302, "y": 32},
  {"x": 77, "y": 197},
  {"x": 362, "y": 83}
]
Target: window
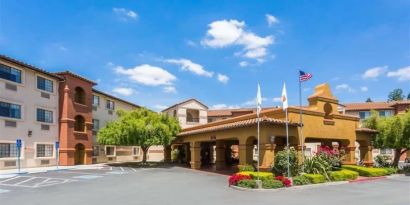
[
  {"x": 10, "y": 110},
  {"x": 79, "y": 95},
  {"x": 8, "y": 150},
  {"x": 96, "y": 150},
  {"x": 385, "y": 113},
  {"x": 96, "y": 124},
  {"x": 110, "y": 151},
  {"x": 45, "y": 150},
  {"x": 10, "y": 73},
  {"x": 386, "y": 151},
  {"x": 135, "y": 151},
  {"x": 44, "y": 84},
  {"x": 364, "y": 115},
  {"x": 79, "y": 124},
  {"x": 44, "y": 116},
  {"x": 110, "y": 105},
  {"x": 96, "y": 100}
]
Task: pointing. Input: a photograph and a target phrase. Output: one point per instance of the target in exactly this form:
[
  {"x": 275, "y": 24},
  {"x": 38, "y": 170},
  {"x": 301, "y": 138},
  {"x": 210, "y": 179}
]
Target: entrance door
[{"x": 79, "y": 154}]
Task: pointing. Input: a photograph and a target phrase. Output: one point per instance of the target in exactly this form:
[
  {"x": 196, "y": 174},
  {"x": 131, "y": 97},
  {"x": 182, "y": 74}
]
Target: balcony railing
[{"x": 192, "y": 119}]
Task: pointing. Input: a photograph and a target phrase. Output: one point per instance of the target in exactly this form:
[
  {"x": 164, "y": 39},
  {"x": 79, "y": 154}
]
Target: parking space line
[
  {"x": 84, "y": 173},
  {"x": 9, "y": 179},
  {"x": 133, "y": 169},
  {"x": 122, "y": 169},
  {"x": 27, "y": 180}
]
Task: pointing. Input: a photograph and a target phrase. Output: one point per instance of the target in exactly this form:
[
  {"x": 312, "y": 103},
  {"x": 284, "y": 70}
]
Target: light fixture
[
  {"x": 272, "y": 139},
  {"x": 30, "y": 133}
]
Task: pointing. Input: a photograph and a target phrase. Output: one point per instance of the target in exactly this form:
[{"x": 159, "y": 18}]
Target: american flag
[{"x": 304, "y": 76}]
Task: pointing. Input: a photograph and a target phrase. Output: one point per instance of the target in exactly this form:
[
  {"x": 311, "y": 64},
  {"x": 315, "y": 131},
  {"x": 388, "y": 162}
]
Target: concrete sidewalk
[{"x": 46, "y": 169}]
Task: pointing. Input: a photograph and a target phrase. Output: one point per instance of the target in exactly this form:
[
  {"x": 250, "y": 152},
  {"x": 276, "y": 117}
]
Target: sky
[{"x": 158, "y": 53}]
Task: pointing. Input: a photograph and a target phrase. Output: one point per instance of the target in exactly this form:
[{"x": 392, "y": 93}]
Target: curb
[{"x": 291, "y": 188}]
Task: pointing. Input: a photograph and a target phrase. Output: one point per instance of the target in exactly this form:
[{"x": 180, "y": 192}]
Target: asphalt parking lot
[{"x": 175, "y": 185}]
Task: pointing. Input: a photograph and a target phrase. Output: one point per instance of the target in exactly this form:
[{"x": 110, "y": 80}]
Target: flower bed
[
  {"x": 367, "y": 171},
  {"x": 315, "y": 178},
  {"x": 343, "y": 175},
  {"x": 249, "y": 180},
  {"x": 262, "y": 175}
]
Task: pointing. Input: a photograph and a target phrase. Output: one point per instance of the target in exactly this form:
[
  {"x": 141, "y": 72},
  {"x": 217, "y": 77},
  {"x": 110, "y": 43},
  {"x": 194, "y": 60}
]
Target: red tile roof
[
  {"x": 228, "y": 112},
  {"x": 185, "y": 101},
  {"x": 375, "y": 105},
  {"x": 366, "y": 130},
  {"x": 77, "y": 76},
  {"x": 231, "y": 125}
]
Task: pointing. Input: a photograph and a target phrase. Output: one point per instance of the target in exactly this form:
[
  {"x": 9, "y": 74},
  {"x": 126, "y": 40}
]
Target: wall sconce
[
  {"x": 272, "y": 139},
  {"x": 30, "y": 133}
]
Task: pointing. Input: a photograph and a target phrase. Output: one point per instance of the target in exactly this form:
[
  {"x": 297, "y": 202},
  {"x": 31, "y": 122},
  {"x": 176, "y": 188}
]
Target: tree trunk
[
  {"x": 144, "y": 154},
  {"x": 397, "y": 154}
]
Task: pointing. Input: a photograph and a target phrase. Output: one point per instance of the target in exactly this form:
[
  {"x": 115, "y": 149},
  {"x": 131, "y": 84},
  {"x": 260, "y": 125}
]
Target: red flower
[
  {"x": 285, "y": 181},
  {"x": 234, "y": 179}
]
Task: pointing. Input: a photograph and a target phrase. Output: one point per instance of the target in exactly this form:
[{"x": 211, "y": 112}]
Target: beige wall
[
  {"x": 29, "y": 97},
  {"x": 181, "y": 113}
]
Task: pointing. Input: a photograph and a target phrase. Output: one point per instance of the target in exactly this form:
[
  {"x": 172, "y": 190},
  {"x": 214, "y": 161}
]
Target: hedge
[
  {"x": 315, "y": 178},
  {"x": 262, "y": 175},
  {"x": 247, "y": 183},
  {"x": 367, "y": 171},
  {"x": 300, "y": 180},
  {"x": 246, "y": 168},
  {"x": 343, "y": 175},
  {"x": 272, "y": 184}
]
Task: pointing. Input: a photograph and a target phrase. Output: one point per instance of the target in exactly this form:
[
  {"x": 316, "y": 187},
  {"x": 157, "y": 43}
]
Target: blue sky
[{"x": 157, "y": 53}]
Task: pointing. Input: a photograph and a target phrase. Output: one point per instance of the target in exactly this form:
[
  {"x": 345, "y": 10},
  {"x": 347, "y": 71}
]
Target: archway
[{"x": 79, "y": 154}]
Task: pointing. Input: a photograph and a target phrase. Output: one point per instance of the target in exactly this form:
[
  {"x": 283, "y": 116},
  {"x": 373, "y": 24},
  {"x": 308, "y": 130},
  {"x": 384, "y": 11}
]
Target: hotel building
[{"x": 42, "y": 108}]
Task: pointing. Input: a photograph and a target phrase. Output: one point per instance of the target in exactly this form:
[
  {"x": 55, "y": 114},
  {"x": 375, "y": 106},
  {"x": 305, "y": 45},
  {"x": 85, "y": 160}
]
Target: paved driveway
[{"x": 180, "y": 186}]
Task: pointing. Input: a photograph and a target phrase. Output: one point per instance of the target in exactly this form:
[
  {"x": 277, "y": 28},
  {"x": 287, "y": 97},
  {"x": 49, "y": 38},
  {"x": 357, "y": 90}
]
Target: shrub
[
  {"x": 367, "y": 171},
  {"x": 318, "y": 165},
  {"x": 272, "y": 184},
  {"x": 315, "y": 178},
  {"x": 262, "y": 175},
  {"x": 391, "y": 170},
  {"x": 383, "y": 160},
  {"x": 343, "y": 175},
  {"x": 285, "y": 181},
  {"x": 281, "y": 162},
  {"x": 234, "y": 179},
  {"x": 246, "y": 168},
  {"x": 300, "y": 180},
  {"x": 247, "y": 183},
  {"x": 333, "y": 157}
]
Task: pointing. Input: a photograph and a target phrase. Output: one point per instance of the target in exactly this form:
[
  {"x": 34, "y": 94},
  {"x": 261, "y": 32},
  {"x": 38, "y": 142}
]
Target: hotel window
[
  {"x": 96, "y": 100},
  {"x": 10, "y": 73},
  {"x": 10, "y": 110},
  {"x": 135, "y": 151},
  {"x": 96, "y": 150},
  {"x": 44, "y": 84},
  {"x": 385, "y": 113},
  {"x": 79, "y": 123},
  {"x": 96, "y": 124},
  {"x": 110, "y": 105},
  {"x": 45, "y": 150},
  {"x": 79, "y": 95},
  {"x": 44, "y": 116},
  {"x": 364, "y": 115},
  {"x": 8, "y": 150},
  {"x": 110, "y": 151}
]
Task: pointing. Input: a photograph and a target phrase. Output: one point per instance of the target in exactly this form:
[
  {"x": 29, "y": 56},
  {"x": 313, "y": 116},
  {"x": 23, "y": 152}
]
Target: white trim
[
  {"x": 45, "y": 143},
  {"x": 115, "y": 151},
  {"x": 22, "y": 149}
]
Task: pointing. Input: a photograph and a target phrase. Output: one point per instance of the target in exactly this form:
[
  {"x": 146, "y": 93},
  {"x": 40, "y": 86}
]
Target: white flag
[
  {"x": 258, "y": 101},
  {"x": 284, "y": 98}
]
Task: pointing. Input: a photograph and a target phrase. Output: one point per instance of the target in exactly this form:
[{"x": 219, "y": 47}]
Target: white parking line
[
  {"x": 133, "y": 169},
  {"x": 3, "y": 191},
  {"x": 24, "y": 181},
  {"x": 9, "y": 179},
  {"x": 38, "y": 181},
  {"x": 122, "y": 169}
]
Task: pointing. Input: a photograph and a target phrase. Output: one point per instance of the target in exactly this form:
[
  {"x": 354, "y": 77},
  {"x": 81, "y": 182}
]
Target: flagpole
[
  {"x": 258, "y": 148},
  {"x": 301, "y": 123},
  {"x": 287, "y": 140}
]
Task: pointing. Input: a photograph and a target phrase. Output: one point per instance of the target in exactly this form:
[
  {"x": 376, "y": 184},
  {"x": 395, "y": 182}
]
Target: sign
[
  {"x": 18, "y": 143},
  {"x": 57, "y": 144}
]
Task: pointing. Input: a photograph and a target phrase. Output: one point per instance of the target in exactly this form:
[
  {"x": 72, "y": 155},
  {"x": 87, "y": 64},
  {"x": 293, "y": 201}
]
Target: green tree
[
  {"x": 408, "y": 96},
  {"x": 369, "y": 100},
  {"x": 139, "y": 127},
  {"x": 396, "y": 95},
  {"x": 393, "y": 133}
]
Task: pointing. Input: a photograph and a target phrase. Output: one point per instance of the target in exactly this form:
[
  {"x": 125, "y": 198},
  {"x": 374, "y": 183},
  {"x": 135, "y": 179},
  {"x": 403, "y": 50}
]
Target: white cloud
[
  {"x": 124, "y": 91},
  {"x": 170, "y": 89},
  {"x": 160, "y": 107},
  {"x": 223, "y": 106},
  {"x": 375, "y": 72},
  {"x": 125, "y": 14},
  {"x": 364, "y": 89},
  {"x": 271, "y": 20},
  {"x": 344, "y": 87},
  {"x": 190, "y": 43},
  {"x": 188, "y": 65},
  {"x": 277, "y": 99},
  {"x": 402, "y": 74},
  {"x": 223, "y": 78},
  {"x": 147, "y": 75},
  {"x": 224, "y": 33},
  {"x": 243, "y": 64},
  {"x": 253, "y": 102}
]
